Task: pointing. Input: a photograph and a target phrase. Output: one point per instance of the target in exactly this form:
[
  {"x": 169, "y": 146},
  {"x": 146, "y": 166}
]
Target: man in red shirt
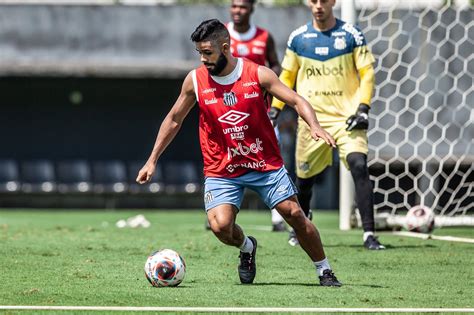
[
  {"x": 250, "y": 41},
  {"x": 256, "y": 44},
  {"x": 239, "y": 147}
]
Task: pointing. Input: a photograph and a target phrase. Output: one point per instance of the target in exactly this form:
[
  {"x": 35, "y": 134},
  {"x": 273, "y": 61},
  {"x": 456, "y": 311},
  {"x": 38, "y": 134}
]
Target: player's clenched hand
[
  {"x": 145, "y": 174},
  {"x": 360, "y": 120},
  {"x": 319, "y": 133}
]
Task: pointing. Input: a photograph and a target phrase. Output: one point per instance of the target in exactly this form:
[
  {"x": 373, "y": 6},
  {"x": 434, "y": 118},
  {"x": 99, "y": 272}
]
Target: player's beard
[{"x": 219, "y": 65}]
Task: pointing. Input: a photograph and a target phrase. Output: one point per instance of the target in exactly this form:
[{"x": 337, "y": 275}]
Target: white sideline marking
[
  {"x": 434, "y": 237},
  {"x": 238, "y": 309}
]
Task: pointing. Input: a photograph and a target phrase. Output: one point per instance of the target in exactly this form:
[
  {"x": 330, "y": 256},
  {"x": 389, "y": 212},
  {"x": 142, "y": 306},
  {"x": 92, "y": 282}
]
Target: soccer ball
[
  {"x": 420, "y": 219},
  {"x": 165, "y": 268}
]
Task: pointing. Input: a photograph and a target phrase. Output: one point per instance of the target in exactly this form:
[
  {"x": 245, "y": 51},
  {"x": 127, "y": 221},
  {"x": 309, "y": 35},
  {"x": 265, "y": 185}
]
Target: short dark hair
[{"x": 211, "y": 30}]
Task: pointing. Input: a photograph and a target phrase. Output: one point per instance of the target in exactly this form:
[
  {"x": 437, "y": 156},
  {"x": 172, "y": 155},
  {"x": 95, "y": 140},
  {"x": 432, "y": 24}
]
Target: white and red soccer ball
[
  {"x": 420, "y": 219},
  {"x": 165, "y": 268}
]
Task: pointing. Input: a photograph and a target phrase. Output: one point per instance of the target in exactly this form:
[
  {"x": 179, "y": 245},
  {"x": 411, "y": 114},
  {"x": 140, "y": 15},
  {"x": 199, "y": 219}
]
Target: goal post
[
  {"x": 346, "y": 184},
  {"x": 422, "y": 115}
]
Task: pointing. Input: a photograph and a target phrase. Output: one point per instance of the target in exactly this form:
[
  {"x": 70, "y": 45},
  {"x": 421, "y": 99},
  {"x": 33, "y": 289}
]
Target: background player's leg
[
  {"x": 278, "y": 223},
  {"x": 305, "y": 192},
  {"x": 364, "y": 193},
  {"x": 364, "y": 198}
]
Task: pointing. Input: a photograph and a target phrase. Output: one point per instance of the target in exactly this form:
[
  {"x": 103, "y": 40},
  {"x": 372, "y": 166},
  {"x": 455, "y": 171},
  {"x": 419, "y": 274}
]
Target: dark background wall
[{"x": 116, "y": 119}]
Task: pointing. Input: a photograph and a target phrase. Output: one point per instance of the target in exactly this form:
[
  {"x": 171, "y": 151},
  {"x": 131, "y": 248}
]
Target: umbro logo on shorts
[{"x": 283, "y": 189}]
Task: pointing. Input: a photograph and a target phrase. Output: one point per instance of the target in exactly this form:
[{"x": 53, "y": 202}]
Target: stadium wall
[{"x": 117, "y": 40}]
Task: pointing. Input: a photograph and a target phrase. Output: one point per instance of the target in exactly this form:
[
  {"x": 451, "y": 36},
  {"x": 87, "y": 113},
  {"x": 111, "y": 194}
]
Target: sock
[
  {"x": 367, "y": 234},
  {"x": 276, "y": 217},
  {"x": 247, "y": 246},
  {"x": 321, "y": 266}
]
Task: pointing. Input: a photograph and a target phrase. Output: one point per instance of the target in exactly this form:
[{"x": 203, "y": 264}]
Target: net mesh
[{"x": 422, "y": 118}]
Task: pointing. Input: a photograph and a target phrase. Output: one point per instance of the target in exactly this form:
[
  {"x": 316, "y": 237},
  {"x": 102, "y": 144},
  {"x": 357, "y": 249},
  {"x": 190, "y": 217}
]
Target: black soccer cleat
[
  {"x": 328, "y": 279},
  {"x": 279, "y": 227},
  {"x": 247, "y": 268},
  {"x": 372, "y": 243}
]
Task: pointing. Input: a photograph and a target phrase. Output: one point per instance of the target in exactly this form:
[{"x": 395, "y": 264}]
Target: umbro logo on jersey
[
  {"x": 230, "y": 99},
  {"x": 210, "y": 90},
  {"x": 249, "y": 84},
  {"x": 233, "y": 117}
]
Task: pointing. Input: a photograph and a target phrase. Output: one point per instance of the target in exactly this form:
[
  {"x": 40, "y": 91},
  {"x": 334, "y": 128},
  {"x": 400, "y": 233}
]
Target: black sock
[
  {"x": 363, "y": 189},
  {"x": 305, "y": 191}
]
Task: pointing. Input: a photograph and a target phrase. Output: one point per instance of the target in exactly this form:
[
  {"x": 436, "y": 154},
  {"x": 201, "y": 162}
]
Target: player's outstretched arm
[
  {"x": 272, "y": 84},
  {"x": 169, "y": 128},
  {"x": 288, "y": 78}
]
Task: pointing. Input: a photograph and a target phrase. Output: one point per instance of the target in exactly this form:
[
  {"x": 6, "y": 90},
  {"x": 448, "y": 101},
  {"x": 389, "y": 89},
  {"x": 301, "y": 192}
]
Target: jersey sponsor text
[
  {"x": 211, "y": 101},
  {"x": 250, "y": 165},
  {"x": 242, "y": 150},
  {"x": 251, "y": 95},
  {"x": 323, "y": 71}
]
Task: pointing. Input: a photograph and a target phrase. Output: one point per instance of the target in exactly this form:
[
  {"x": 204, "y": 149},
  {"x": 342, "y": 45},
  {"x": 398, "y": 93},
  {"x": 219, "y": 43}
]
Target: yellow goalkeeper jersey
[{"x": 327, "y": 66}]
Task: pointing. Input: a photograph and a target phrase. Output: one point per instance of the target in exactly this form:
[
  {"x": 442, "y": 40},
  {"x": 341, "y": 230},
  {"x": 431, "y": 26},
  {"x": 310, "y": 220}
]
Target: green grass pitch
[{"x": 51, "y": 257}]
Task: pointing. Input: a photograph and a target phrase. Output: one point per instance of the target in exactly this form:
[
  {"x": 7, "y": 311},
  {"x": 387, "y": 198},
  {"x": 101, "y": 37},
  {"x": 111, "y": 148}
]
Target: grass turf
[{"x": 81, "y": 258}]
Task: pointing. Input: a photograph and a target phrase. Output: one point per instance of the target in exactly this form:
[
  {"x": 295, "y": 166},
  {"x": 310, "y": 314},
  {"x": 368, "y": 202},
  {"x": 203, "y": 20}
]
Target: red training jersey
[
  {"x": 235, "y": 133},
  {"x": 251, "y": 44}
]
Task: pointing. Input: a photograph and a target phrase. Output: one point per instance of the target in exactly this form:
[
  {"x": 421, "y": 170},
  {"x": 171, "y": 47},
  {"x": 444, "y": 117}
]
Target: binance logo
[{"x": 323, "y": 71}]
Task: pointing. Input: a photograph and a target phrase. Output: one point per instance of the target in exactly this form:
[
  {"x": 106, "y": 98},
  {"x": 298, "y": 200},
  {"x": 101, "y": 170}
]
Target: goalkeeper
[{"x": 330, "y": 64}]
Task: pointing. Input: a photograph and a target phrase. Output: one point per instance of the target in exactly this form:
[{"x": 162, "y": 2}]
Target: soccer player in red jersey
[
  {"x": 250, "y": 41},
  {"x": 239, "y": 146},
  {"x": 256, "y": 44}
]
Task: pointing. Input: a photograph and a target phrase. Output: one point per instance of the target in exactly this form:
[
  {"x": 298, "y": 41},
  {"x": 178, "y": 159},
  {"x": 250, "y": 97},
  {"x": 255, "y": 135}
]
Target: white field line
[
  {"x": 434, "y": 237},
  {"x": 238, "y": 309}
]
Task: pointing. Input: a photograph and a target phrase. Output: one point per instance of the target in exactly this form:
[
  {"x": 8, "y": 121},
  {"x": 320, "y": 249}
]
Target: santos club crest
[{"x": 230, "y": 99}]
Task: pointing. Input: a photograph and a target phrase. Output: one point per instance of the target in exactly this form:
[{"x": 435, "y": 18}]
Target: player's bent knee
[
  {"x": 296, "y": 217},
  {"x": 289, "y": 209},
  {"x": 357, "y": 162},
  {"x": 220, "y": 227}
]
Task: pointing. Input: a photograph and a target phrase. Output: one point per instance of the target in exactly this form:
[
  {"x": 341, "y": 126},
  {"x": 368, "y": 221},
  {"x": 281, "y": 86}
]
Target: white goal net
[{"x": 422, "y": 118}]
